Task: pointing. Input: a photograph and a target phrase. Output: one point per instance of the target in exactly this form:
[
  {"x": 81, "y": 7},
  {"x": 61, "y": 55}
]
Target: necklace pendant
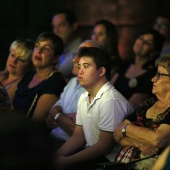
[{"x": 133, "y": 82}]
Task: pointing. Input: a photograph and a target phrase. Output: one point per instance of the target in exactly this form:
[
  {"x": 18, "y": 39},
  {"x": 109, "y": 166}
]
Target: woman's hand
[
  {"x": 118, "y": 131},
  {"x": 50, "y": 122},
  {"x": 148, "y": 151}
]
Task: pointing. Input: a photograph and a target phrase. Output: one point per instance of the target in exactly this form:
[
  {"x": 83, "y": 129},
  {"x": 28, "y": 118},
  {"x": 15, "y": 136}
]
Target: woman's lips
[
  {"x": 37, "y": 57},
  {"x": 12, "y": 66}
]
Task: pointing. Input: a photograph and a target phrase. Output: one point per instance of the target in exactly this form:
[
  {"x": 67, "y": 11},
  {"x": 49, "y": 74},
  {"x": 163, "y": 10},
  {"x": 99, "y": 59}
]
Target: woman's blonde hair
[{"x": 23, "y": 49}]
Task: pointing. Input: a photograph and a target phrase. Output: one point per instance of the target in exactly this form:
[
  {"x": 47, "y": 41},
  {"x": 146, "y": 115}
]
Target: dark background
[{"x": 29, "y": 18}]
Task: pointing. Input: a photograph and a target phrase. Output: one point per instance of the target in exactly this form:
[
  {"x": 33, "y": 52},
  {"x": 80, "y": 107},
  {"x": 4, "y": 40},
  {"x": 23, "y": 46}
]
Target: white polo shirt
[{"x": 105, "y": 112}]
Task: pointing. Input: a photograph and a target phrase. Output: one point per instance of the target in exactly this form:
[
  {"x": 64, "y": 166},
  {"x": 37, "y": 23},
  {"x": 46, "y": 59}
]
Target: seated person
[
  {"x": 65, "y": 25},
  {"x": 162, "y": 25},
  {"x": 105, "y": 34},
  {"x": 17, "y": 65},
  {"x": 99, "y": 111},
  {"x": 148, "y": 128},
  {"x": 39, "y": 90},
  {"x": 132, "y": 79},
  {"x": 66, "y": 106}
]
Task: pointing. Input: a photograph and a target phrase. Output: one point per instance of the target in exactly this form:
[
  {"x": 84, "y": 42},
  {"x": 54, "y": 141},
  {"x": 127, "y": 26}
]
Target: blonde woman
[{"x": 18, "y": 63}]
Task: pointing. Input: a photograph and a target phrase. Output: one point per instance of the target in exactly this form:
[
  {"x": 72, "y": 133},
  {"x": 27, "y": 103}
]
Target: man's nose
[
  {"x": 39, "y": 49},
  {"x": 80, "y": 71}
]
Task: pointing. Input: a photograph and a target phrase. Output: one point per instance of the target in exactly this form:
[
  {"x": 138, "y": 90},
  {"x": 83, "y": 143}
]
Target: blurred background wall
[{"x": 29, "y": 18}]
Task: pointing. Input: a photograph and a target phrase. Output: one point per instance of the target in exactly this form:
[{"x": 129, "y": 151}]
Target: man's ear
[
  {"x": 102, "y": 71},
  {"x": 56, "y": 58}
]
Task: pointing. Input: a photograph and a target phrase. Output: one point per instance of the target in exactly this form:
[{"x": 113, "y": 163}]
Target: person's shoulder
[
  {"x": 57, "y": 75},
  {"x": 71, "y": 85},
  {"x": 124, "y": 66},
  {"x": 73, "y": 80},
  {"x": 74, "y": 45},
  {"x": 83, "y": 96}
]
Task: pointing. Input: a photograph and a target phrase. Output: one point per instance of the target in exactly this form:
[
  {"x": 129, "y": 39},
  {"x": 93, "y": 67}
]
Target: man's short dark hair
[
  {"x": 70, "y": 16},
  {"x": 99, "y": 56}
]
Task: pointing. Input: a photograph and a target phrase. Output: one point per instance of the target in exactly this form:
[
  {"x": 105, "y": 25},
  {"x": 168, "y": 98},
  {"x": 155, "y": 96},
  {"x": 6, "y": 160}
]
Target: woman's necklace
[
  {"x": 161, "y": 109},
  {"x": 36, "y": 81},
  {"x": 132, "y": 81},
  {"x": 155, "y": 109}
]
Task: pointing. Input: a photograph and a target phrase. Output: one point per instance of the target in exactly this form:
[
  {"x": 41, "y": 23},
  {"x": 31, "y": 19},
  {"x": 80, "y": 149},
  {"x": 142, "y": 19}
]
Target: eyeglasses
[{"x": 158, "y": 75}]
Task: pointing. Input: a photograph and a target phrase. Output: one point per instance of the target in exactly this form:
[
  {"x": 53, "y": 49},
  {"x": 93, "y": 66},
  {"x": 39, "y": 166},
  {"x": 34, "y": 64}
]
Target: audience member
[
  {"x": 39, "y": 90},
  {"x": 105, "y": 34},
  {"x": 65, "y": 25},
  {"x": 146, "y": 131},
  {"x": 100, "y": 109},
  {"x": 18, "y": 63},
  {"x": 24, "y": 144},
  {"x": 132, "y": 78},
  {"x": 162, "y": 24},
  {"x": 65, "y": 108}
]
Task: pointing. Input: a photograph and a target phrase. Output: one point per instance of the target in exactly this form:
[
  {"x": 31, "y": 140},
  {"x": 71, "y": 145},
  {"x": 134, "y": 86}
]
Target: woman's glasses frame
[{"x": 158, "y": 75}]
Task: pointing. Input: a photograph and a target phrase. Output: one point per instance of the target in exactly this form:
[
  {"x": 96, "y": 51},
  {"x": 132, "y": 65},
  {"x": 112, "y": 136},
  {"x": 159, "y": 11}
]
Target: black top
[
  {"x": 144, "y": 84},
  {"x": 24, "y": 96}
]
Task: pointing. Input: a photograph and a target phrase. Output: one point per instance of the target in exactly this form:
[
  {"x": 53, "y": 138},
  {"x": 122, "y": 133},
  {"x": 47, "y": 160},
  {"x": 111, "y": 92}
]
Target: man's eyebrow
[{"x": 84, "y": 64}]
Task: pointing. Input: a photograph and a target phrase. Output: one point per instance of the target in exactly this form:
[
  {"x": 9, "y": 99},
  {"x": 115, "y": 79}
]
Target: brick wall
[{"x": 28, "y": 18}]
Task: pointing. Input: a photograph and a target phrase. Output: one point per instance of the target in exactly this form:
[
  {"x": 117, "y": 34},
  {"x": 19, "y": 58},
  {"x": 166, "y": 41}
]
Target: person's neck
[
  {"x": 94, "y": 90},
  {"x": 139, "y": 62},
  {"x": 70, "y": 39},
  {"x": 43, "y": 73},
  {"x": 14, "y": 76},
  {"x": 164, "y": 99}
]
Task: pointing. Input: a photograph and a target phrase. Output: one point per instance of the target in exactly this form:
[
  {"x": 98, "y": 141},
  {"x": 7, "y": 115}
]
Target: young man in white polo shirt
[{"x": 100, "y": 109}]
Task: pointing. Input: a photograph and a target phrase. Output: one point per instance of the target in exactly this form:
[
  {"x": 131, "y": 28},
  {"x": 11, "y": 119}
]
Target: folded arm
[
  {"x": 65, "y": 121},
  {"x": 159, "y": 138}
]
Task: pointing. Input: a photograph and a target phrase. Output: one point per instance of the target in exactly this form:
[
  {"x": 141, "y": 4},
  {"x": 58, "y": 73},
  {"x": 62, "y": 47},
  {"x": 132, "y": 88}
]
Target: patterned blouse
[
  {"x": 4, "y": 100},
  {"x": 139, "y": 116}
]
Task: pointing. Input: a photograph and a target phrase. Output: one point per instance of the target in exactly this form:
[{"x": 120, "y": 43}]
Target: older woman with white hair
[{"x": 147, "y": 131}]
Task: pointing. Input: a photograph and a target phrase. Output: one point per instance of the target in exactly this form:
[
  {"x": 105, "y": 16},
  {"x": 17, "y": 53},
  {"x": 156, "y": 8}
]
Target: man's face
[
  {"x": 163, "y": 26},
  {"x": 88, "y": 75},
  {"x": 76, "y": 58},
  {"x": 61, "y": 27}
]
